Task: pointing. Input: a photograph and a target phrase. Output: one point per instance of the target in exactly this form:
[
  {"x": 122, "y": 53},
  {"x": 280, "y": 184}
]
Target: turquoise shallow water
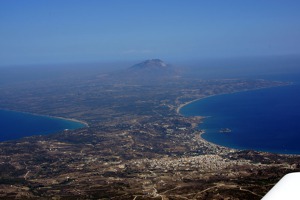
[
  {"x": 15, "y": 125},
  {"x": 265, "y": 119}
]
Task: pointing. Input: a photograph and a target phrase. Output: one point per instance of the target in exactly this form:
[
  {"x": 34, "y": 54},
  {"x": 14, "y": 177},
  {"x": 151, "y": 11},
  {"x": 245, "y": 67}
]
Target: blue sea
[
  {"x": 15, "y": 125},
  {"x": 264, "y": 120}
]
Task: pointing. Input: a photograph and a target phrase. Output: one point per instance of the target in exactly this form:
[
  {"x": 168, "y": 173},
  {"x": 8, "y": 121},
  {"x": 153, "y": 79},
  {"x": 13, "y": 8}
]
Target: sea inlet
[
  {"x": 263, "y": 120},
  {"x": 16, "y": 125}
]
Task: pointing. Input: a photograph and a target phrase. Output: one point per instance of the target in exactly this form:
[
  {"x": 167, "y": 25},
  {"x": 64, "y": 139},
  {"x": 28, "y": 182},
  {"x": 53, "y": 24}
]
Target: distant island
[
  {"x": 151, "y": 64},
  {"x": 225, "y": 130},
  {"x": 150, "y": 72}
]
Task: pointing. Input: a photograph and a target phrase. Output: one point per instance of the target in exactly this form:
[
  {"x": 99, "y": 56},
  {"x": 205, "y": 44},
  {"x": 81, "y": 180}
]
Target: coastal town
[{"x": 137, "y": 145}]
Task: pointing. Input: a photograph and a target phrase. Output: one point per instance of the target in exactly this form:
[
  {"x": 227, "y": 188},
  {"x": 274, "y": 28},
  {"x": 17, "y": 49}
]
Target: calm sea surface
[
  {"x": 15, "y": 125},
  {"x": 265, "y": 119}
]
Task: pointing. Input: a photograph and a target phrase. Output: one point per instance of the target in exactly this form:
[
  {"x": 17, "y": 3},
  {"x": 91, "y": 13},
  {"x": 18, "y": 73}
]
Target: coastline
[
  {"x": 49, "y": 116},
  {"x": 70, "y": 119},
  {"x": 189, "y": 102},
  {"x": 216, "y": 146}
]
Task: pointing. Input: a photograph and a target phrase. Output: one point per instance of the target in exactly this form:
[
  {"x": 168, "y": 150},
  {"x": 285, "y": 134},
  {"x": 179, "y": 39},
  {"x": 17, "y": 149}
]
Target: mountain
[
  {"x": 154, "y": 64},
  {"x": 152, "y": 71}
]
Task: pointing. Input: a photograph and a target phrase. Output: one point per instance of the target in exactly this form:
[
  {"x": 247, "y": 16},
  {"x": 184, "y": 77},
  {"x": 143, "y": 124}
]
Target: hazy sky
[{"x": 57, "y": 31}]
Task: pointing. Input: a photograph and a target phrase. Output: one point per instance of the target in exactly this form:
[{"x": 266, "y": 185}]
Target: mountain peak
[
  {"x": 151, "y": 71},
  {"x": 150, "y": 64},
  {"x": 156, "y": 62}
]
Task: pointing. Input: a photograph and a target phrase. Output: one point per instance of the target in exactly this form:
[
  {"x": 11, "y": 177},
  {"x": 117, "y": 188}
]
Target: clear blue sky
[{"x": 58, "y": 31}]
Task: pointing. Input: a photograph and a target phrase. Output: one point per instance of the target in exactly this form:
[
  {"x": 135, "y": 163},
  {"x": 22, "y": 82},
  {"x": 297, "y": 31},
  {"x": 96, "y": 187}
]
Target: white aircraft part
[{"x": 288, "y": 188}]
